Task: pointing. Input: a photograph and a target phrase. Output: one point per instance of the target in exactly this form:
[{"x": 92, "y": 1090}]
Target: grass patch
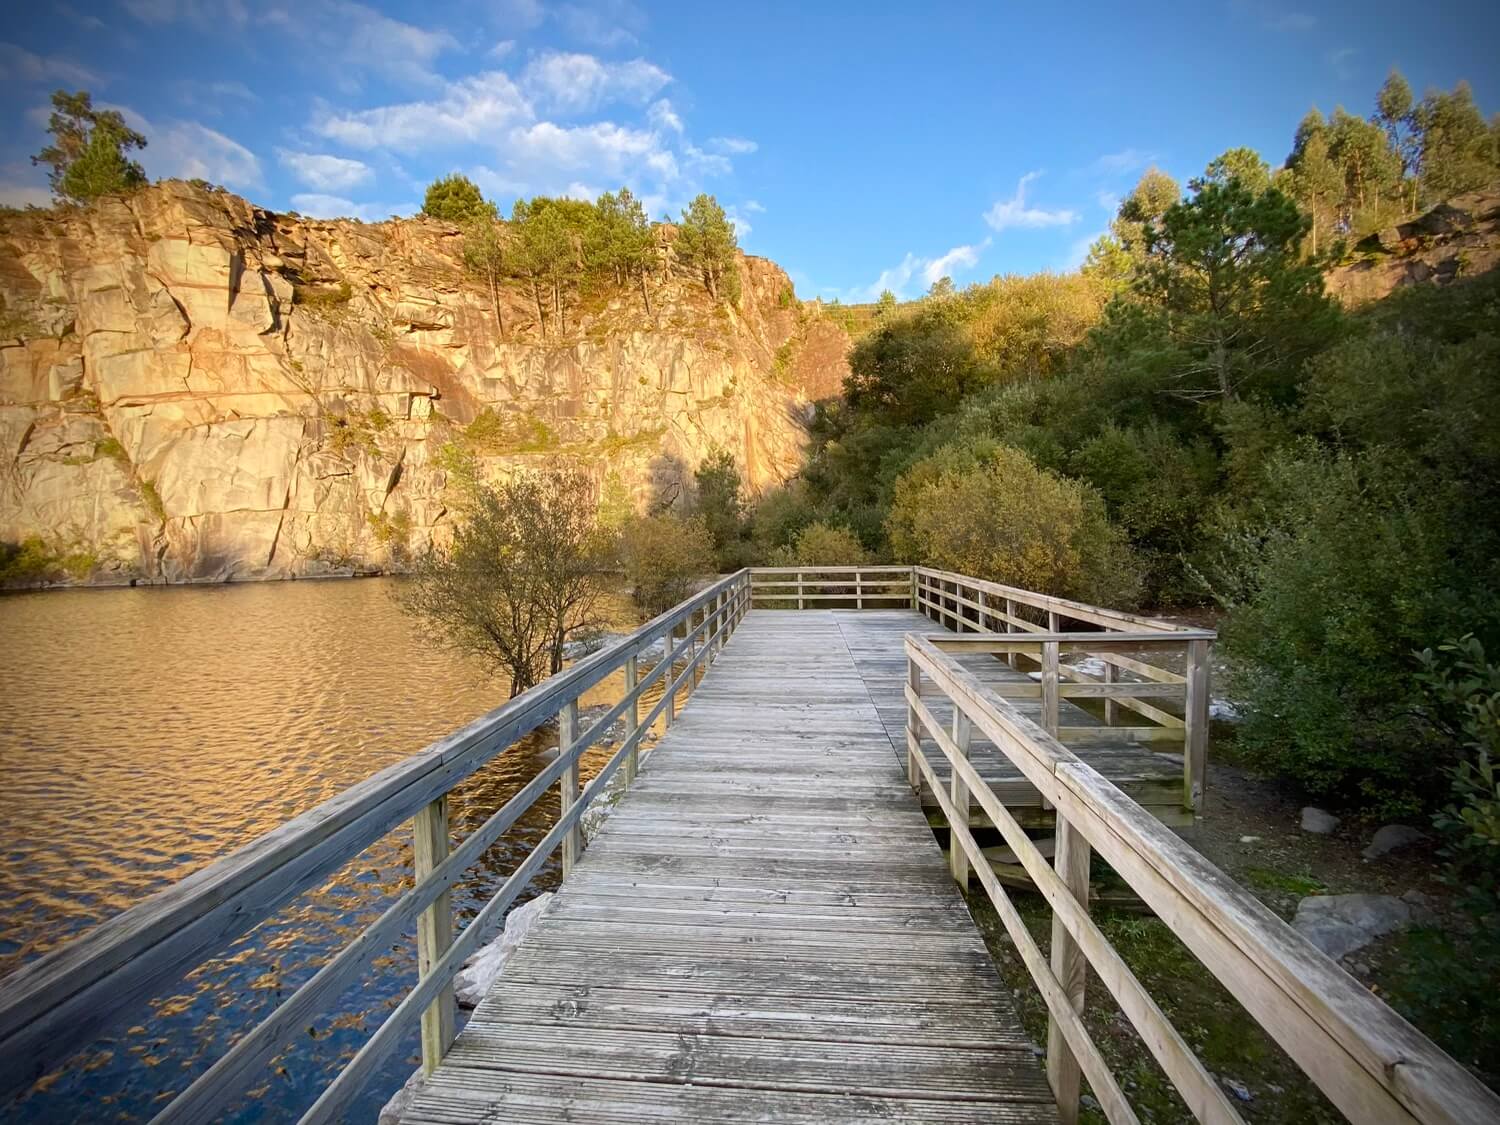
[
  {"x": 321, "y": 296},
  {"x": 1286, "y": 882},
  {"x": 152, "y": 499},
  {"x": 357, "y": 432},
  {"x": 32, "y": 560}
]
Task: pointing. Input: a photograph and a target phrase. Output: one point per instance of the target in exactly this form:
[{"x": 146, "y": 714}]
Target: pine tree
[
  {"x": 456, "y": 199},
  {"x": 706, "y": 243},
  {"x": 87, "y": 153}
]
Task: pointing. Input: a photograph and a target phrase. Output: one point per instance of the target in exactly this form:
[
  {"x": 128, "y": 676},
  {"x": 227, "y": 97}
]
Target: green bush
[
  {"x": 992, "y": 513},
  {"x": 665, "y": 558},
  {"x": 822, "y": 544}
]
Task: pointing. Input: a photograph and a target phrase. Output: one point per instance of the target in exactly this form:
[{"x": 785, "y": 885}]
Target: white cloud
[
  {"x": 602, "y": 23},
  {"x": 663, "y": 116},
  {"x": 955, "y": 260},
  {"x": 85, "y": 20},
  {"x": 24, "y": 66},
  {"x": 1108, "y": 200},
  {"x": 473, "y": 110},
  {"x": 1123, "y": 162},
  {"x": 1339, "y": 59},
  {"x": 742, "y": 227},
  {"x": 320, "y": 206},
  {"x": 926, "y": 270},
  {"x": 400, "y": 51},
  {"x": 754, "y": 207},
  {"x": 706, "y": 163},
  {"x": 605, "y": 150},
  {"x": 188, "y": 150},
  {"x": 501, "y": 49},
  {"x": 323, "y": 172},
  {"x": 569, "y": 83},
  {"x": 732, "y": 146},
  {"x": 1014, "y": 212}
]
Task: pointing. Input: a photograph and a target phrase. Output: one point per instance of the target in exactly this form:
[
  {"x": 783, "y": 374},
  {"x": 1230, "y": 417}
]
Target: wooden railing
[
  {"x": 1157, "y": 670},
  {"x": 57, "y": 1005},
  {"x": 1372, "y": 1064},
  {"x": 831, "y": 587}
]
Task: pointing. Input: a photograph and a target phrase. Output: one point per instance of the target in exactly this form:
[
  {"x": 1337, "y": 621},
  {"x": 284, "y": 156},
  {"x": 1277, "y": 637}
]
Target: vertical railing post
[
  {"x": 984, "y": 613},
  {"x": 1195, "y": 719},
  {"x": 859, "y": 590},
  {"x": 434, "y": 930},
  {"x": 1110, "y": 708},
  {"x": 1049, "y": 687},
  {"x": 1052, "y": 621},
  {"x": 915, "y": 604},
  {"x": 567, "y": 785},
  {"x": 1010, "y": 612},
  {"x": 669, "y": 711},
  {"x": 800, "y": 603},
  {"x": 1069, "y": 967},
  {"x": 913, "y": 740},
  {"x": 958, "y": 859},
  {"x": 633, "y": 717}
]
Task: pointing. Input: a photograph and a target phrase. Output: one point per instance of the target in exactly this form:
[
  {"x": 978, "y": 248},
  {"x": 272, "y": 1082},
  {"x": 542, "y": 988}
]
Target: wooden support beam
[
  {"x": 434, "y": 930},
  {"x": 958, "y": 859},
  {"x": 1195, "y": 719},
  {"x": 1070, "y": 968},
  {"x": 567, "y": 731}
]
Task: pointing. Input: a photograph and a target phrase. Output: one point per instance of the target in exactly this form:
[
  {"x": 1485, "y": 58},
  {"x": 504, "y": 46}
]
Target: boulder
[
  {"x": 480, "y": 971},
  {"x": 1317, "y": 821},
  {"x": 1341, "y": 924},
  {"x": 390, "y": 1113},
  {"x": 1392, "y": 837}
]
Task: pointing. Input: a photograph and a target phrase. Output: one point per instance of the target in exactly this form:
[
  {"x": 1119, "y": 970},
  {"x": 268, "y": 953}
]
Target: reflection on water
[{"x": 148, "y": 732}]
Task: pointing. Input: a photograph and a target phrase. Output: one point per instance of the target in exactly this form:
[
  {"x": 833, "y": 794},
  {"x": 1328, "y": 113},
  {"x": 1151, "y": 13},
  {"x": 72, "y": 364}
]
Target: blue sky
[{"x": 862, "y": 146}]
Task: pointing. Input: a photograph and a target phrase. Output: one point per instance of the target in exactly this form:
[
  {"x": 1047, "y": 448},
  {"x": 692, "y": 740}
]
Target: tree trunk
[
  {"x": 495, "y": 303},
  {"x": 541, "y": 313},
  {"x": 646, "y": 294}
]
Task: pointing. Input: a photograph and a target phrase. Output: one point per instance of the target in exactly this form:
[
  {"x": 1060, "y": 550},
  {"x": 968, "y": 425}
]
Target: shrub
[
  {"x": 1338, "y": 576},
  {"x": 991, "y": 513},
  {"x": 456, "y": 199},
  {"x": 665, "y": 557},
  {"x": 822, "y": 544}
]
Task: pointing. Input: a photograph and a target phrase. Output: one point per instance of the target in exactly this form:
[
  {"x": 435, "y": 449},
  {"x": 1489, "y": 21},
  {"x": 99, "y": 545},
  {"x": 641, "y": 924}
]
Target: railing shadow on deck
[
  {"x": 1372, "y": 1064},
  {"x": 56, "y": 1005}
]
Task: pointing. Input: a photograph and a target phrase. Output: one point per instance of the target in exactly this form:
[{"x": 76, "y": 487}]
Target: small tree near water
[{"x": 527, "y": 566}]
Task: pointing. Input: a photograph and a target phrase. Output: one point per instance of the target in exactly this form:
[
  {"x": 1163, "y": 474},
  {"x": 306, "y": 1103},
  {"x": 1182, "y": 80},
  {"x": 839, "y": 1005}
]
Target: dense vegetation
[{"x": 1191, "y": 420}]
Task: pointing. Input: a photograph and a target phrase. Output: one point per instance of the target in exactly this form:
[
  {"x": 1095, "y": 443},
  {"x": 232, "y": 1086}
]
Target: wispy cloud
[
  {"x": 469, "y": 111},
  {"x": 569, "y": 83},
  {"x": 1340, "y": 59},
  {"x": 732, "y": 146},
  {"x": 320, "y": 206},
  {"x": 190, "y": 150},
  {"x": 1122, "y": 163},
  {"x": 25, "y": 66},
  {"x": 1277, "y": 17},
  {"x": 927, "y": 271},
  {"x": 323, "y": 172},
  {"x": 663, "y": 115},
  {"x": 1015, "y": 212},
  {"x": 602, "y": 23}
]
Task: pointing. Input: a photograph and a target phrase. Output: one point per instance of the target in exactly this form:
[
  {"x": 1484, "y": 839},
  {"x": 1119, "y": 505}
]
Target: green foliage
[
  {"x": 992, "y": 513},
  {"x": 33, "y": 561},
  {"x": 322, "y": 297},
  {"x": 391, "y": 530},
  {"x": 719, "y": 503},
  {"x": 706, "y": 244},
  {"x": 355, "y": 432},
  {"x": 822, "y": 544},
  {"x": 456, "y": 199},
  {"x": 526, "y": 567},
  {"x": 665, "y": 558},
  {"x": 88, "y": 150},
  {"x": 153, "y": 501},
  {"x": 492, "y": 433}
]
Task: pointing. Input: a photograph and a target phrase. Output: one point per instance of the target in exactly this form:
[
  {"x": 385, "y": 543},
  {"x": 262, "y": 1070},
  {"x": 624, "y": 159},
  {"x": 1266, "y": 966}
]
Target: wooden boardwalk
[
  {"x": 1152, "y": 778},
  {"x": 764, "y": 929}
]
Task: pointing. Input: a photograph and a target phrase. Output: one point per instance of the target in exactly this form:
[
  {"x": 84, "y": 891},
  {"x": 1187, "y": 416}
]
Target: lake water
[{"x": 147, "y": 732}]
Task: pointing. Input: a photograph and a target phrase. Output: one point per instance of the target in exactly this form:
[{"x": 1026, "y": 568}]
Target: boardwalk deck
[
  {"x": 1153, "y": 779},
  {"x": 763, "y": 930}
]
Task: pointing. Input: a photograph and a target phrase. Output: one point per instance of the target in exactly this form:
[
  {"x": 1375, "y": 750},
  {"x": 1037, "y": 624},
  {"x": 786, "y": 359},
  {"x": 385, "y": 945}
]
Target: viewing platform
[{"x": 766, "y": 927}]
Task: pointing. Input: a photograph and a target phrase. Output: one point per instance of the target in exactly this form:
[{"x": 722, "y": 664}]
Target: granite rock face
[
  {"x": 196, "y": 389},
  {"x": 1454, "y": 240}
]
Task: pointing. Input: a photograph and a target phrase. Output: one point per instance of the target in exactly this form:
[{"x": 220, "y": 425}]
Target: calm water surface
[{"x": 145, "y": 733}]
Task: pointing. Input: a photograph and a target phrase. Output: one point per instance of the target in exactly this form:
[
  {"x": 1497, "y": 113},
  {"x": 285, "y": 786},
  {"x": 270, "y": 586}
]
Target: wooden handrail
[
  {"x": 1371, "y": 1063},
  {"x": 1063, "y": 607},
  {"x": 57, "y": 1004}
]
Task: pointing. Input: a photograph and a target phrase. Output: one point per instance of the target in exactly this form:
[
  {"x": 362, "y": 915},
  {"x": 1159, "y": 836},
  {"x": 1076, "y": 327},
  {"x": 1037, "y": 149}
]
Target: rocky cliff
[
  {"x": 1459, "y": 238},
  {"x": 193, "y": 388}
]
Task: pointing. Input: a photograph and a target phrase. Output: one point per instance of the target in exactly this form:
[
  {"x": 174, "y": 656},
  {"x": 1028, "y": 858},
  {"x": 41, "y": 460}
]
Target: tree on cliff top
[
  {"x": 706, "y": 243},
  {"x": 87, "y": 153},
  {"x": 527, "y": 566},
  {"x": 456, "y": 199}
]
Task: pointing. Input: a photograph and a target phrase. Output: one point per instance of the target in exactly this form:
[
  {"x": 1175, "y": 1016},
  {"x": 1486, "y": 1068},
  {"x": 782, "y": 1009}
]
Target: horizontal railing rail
[
  {"x": 1371, "y": 1063},
  {"x": 857, "y": 587},
  {"x": 58, "y": 1004},
  {"x": 1124, "y": 671},
  {"x": 950, "y": 597}
]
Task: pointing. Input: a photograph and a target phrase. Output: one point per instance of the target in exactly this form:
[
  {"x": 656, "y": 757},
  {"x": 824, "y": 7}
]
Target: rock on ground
[
  {"x": 1316, "y": 820},
  {"x": 480, "y": 971},
  {"x": 1340, "y": 924},
  {"x": 1392, "y": 837},
  {"x": 390, "y": 1113}
]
